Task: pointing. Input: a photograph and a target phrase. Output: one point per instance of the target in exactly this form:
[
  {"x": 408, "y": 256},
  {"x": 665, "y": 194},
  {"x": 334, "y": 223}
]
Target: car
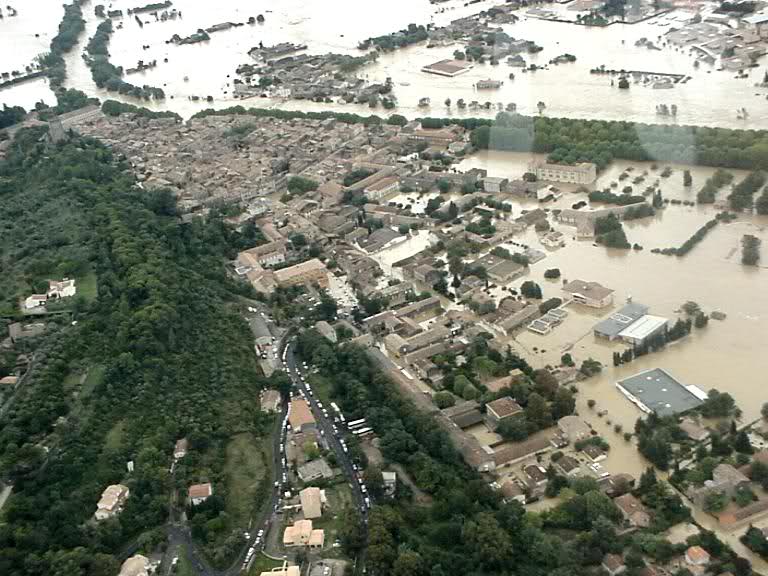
[
  {"x": 247, "y": 535},
  {"x": 277, "y": 483},
  {"x": 325, "y": 412},
  {"x": 261, "y": 532}
]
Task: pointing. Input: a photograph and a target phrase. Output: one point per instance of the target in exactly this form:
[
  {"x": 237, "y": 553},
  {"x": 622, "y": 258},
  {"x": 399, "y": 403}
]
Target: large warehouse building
[{"x": 658, "y": 392}]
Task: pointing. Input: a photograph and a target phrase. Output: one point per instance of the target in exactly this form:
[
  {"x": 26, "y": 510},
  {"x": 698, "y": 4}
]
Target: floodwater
[
  {"x": 711, "y": 97},
  {"x": 726, "y": 355}
]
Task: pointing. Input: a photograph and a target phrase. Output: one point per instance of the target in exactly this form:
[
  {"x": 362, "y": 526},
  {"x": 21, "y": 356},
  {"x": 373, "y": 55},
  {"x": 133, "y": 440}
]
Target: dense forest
[{"x": 158, "y": 352}]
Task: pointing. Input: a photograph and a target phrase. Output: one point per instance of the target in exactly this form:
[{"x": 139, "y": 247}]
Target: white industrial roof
[{"x": 643, "y": 327}]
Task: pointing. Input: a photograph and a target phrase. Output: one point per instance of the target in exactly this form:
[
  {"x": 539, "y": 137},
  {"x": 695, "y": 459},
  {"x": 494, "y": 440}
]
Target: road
[{"x": 332, "y": 434}]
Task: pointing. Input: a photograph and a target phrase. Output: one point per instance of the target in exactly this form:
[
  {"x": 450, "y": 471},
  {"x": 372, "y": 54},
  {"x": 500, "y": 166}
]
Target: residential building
[
  {"x": 112, "y": 500},
  {"x": 302, "y": 534},
  {"x": 381, "y": 188},
  {"x": 428, "y": 306},
  {"x": 390, "y": 482},
  {"x": 265, "y": 255},
  {"x": 535, "y": 475},
  {"x": 634, "y": 512},
  {"x": 501, "y": 409},
  {"x": 583, "y": 173},
  {"x": 434, "y": 137},
  {"x": 180, "y": 450},
  {"x": 693, "y": 430},
  {"x": 613, "y": 564},
  {"x": 284, "y": 571},
  {"x": 697, "y": 556},
  {"x": 270, "y": 401},
  {"x": 314, "y": 470},
  {"x": 567, "y": 465},
  {"x": 488, "y": 84},
  {"x": 725, "y": 480},
  {"x": 513, "y": 491},
  {"x": 35, "y": 301},
  {"x": 8, "y": 381},
  {"x": 300, "y": 415},
  {"x": 136, "y": 565},
  {"x": 464, "y": 414},
  {"x": 312, "y": 501},
  {"x": 199, "y": 493},
  {"x": 574, "y": 428},
  {"x": 494, "y": 184},
  {"x": 312, "y": 271},
  {"x": 590, "y": 294},
  {"x": 594, "y": 453},
  {"x": 61, "y": 288}
]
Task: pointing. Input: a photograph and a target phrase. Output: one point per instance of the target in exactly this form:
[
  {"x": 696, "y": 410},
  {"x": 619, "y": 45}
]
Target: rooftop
[
  {"x": 200, "y": 490},
  {"x": 592, "y": 290},
  {"x": 643, "y": 327},
  {"x": 299, "y": 413},
  {"x": 659, "y": 392},
  {"x": 504, "y": 407},
  {"x": 618, "y": 321}
]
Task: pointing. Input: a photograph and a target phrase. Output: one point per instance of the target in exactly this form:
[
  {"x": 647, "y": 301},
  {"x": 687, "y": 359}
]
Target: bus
[
  {"x": 363, "y": 431},
  {"x": 335, "y": 408},
  {"x": 356, "y": 423}
]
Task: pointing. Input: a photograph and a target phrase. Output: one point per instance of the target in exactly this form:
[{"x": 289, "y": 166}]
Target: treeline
[
  {"x": 697, "y": 237},
  {"x": 70, "y": 28},
  {"x": 610, "y": 233},
  {"x": 750, "y": 250},
  {"x": 11, "y": 115},
  {"x": 743, "y": 192},
  {"x": 344, "y": 117},
  {"x": 608, "y": 197},
  {"x": 713, "y": 184},
  {"x": 176, "y": 358},
  {"x": 411, "y": 35},
  {"x": 115, "y": 108},
  {"x": 572, "y": 140},
  {"x": 107, "y": 75}
]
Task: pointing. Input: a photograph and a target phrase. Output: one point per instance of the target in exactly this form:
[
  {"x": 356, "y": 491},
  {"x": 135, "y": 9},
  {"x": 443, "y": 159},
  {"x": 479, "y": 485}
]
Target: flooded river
[{"x": 711, "y": 97}]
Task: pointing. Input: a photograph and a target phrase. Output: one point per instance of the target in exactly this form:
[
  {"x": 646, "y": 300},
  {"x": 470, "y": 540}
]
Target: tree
[
  {"x": 492, "y": 545},
  {"x": 530, "y": 289},
  {"x": 444, "y": 400},
  {"x": 742, "y": 444},
  {"x": 514, "y": 428},
  {"x": 687, "y": 179},
  {"x": 409, "y": 563},
  {"x": 374, "y": 481},
  {"x": 444, "y": 185},
  {"x": 537, "y": 412},
  {"x": 564, "y": 403},
  {"x": 623, "y": 83},
  {"x": 567, "y": 360},
  {"x": 552, "y": 273},
  {"x": 590, "y": 367}
]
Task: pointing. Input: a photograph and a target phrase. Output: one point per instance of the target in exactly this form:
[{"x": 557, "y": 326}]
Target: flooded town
[{"x": 539, "y": 223}]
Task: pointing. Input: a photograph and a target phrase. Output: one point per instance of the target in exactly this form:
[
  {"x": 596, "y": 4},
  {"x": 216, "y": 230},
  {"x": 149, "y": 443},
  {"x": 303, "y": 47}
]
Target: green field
[
  {"x": 87, "y": 286},
  {"x": 245, "y": 471}
]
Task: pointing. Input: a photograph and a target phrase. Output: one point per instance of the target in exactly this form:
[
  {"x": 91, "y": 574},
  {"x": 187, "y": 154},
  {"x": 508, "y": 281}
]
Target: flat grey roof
[
  {"x": 621, "y": 320},
  {"x": 659, "y": 392}
]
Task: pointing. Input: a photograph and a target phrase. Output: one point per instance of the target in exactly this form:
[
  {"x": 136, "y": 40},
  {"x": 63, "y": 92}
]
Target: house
[
  {"x": 265, "y": 255},
  {"x": 693, "y": 430},
  {"x": 574, "y": 428},
  {"x": 725, "y": 479},
  {"x": 8, "y": 381},
  {"x": 35, "y": 301},
  {"x": 314, "y": 470},
  {"x": 696, "y": 556},
  {"x": 112, "y": 500},
  {"x": 513, "y": 491},
  {"x": 536, "y": 476},
  {"x": 180, "y": 450},
  {"x": 284, "y": 571},
  {"x": 199, "y": 493},
  {"x": 633, "y": 510},
  {"x": 61, "y": 288},
  {"x": 270, "y": 401},
  {"x": 590, "y": 294},
  {"x": 643, "y": 329},
  {"x": 390, "y": 482},
  {"x": 312, "y": 501},
  {"x": 494, "y": 184},
  {"x": 300, "y": 415},
  {"x": 501, "y": 409},
  {"x": 594, "y": 453},
  {"x": 302, "y": 534},
  {"x": 567, "y": 465},
  {"x": 613, "y": 564},
  {"x": 464, "y": 414},
  {"x": 136, "y": 565}
]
